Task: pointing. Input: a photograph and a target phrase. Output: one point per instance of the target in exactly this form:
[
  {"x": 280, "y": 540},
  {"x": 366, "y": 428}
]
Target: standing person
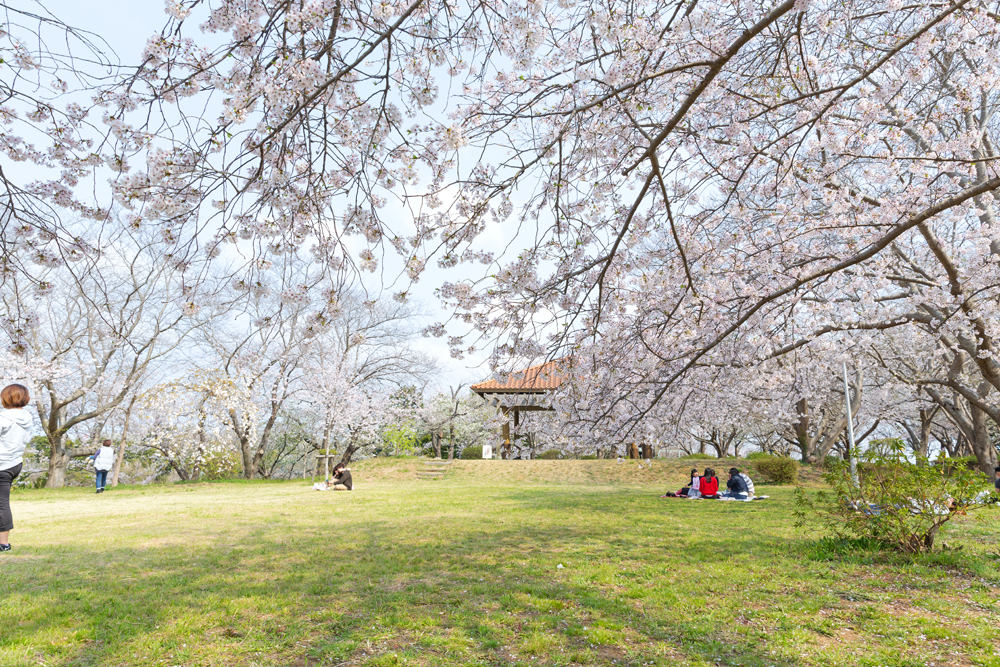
[
  {"x": 15, "y": 422},
  {"x": 104, "y": 461},
  {"x": 996, "y": 473},
  {"x": 342, "y": 478}
]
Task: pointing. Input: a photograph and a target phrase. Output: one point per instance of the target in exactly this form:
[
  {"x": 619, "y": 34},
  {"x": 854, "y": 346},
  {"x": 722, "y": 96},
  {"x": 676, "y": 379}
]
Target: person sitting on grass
[
  {"x": 736, "y": 487},
  {"x": 709, "y": 486},
  {"x": 686, "y": 492},
  {"x": 341, "y": 478}
]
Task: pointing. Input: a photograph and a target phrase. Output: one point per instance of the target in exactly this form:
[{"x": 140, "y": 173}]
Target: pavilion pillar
[{"x": 505, "y": 433}]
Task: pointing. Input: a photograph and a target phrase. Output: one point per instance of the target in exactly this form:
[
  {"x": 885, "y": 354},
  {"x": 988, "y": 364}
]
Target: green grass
[{"x": 464, "y": 571}]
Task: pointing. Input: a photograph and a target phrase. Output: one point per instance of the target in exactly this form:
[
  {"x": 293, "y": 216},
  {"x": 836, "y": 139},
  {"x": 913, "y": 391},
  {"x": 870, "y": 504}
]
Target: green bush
[
  {"x": 777, "y": 469},
  {"x": 550, "y": 455},
  {"x": 896, "y": 502},
  {"x": 951, "y": 466},
  {"x": 219, "y": 465},
  {"x": 756, "y": 456},
  {"x": 589, "y": 457},
  {"x": 472, "y": 452},
  {"x": 830, "y": 462}
]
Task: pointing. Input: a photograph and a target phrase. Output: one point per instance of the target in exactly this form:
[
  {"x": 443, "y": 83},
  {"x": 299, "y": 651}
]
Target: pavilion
[
  {"x": 523, "y": 391},
  {"x": 527, "y": 391}
]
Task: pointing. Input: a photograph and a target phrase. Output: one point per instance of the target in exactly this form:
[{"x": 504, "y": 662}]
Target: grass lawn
[{"x": 466, "y": 571}]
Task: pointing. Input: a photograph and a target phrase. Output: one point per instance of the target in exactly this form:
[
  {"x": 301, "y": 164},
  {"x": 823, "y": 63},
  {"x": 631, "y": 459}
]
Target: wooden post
[
  {"x": 517, "y": 423},
  {"x": 505, "y": 434}
]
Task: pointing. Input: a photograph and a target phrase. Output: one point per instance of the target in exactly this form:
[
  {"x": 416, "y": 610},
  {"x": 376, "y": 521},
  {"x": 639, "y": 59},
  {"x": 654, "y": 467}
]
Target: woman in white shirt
[
  {"x": 104, "y": 461},
  {"x": 15, "y": 425}
]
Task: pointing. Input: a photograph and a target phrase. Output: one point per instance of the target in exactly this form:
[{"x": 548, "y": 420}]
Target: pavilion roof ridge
[{"x": 546, "y": 376}]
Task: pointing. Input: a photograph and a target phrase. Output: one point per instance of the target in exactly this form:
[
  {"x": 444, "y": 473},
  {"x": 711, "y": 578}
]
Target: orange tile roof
[{"x": 543, "y": 377}]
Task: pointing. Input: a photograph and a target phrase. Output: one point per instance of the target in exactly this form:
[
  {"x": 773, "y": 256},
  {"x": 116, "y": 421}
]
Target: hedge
[
  {"x": 472, "y": 452},
  {"x": 777, "y": 469}
]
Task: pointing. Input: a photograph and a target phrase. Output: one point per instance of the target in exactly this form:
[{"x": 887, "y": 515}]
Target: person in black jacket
[
  {"x": 342, "y": 478},
  {"x": 736, "y": 487}
]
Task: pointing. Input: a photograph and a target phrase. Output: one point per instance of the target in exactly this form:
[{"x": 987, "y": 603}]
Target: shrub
[
  {"x": 830, "y": 462},
  {"x": 219, "y": 465},
  {"x": 472, "y": 452},
  {"x": 949, "y": 465},
  {"x": 898, "y": 503},
  {"x": 589, "y": 457},
  {"x": 777, "y": 469},
  {"x": 754, "y": 456},
  {"x": 550, "y": 455}
]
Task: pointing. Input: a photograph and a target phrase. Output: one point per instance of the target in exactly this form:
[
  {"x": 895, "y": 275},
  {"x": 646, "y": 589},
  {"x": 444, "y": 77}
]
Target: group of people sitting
[{"x": 738, "y": 487}]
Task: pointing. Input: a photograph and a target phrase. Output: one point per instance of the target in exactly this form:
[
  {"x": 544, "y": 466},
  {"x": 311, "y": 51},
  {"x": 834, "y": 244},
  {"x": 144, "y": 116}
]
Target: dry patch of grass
[{"x": 671, "y": 474}]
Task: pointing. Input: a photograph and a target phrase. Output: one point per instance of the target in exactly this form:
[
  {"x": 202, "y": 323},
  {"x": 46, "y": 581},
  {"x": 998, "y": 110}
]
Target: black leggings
[{"x": 7, "y": 478}]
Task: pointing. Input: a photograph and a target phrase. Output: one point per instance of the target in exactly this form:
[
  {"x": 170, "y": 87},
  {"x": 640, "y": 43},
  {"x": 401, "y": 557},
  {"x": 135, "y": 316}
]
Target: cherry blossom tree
[
  {"x": 461, "y": 418},
  {"x": 295, "y": 316},
  {"x": 822, "y": 170},
  {"x": 351, "y": 416},
  {"x": 96, "y": 333},
  {"x": 48, "y": 73},
  {"x": 187, "y": 422},
  {"x": 703, "y": 189},
  {"x": 283, "y": 310}
]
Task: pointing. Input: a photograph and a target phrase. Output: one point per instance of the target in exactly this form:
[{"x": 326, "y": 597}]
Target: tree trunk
[
  {"x": 982, "y": 444},
  {"x": 59, "y": 458},
  {"x": 436, "y": 437},
  {"x": 58, "y": 462},
  {"x": 120, "y": 457},
  {"x": 246, "y": 455},
  {"x": 258, "y": 458},
  {"x": 926, "y": 421},
  {"x": 451, "y": 442},
  {"x": 181, "y": 472},
  {"x": 352, "y": 447}
]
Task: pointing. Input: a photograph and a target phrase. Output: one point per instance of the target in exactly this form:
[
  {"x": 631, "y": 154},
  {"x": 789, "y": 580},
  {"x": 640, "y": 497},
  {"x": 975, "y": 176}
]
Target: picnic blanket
[{"x": 747, "y": 500}]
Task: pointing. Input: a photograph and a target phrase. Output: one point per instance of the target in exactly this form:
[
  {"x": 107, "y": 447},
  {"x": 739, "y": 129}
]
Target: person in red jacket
[{"x": 709, "y": 485}]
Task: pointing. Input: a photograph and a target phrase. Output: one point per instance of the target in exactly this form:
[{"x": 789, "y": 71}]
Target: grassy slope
[{"x": 464, "y": 571}]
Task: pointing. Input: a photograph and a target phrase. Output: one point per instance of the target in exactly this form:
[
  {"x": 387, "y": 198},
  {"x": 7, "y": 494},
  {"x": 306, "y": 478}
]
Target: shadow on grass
[{"x": 479, "y": 586}]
